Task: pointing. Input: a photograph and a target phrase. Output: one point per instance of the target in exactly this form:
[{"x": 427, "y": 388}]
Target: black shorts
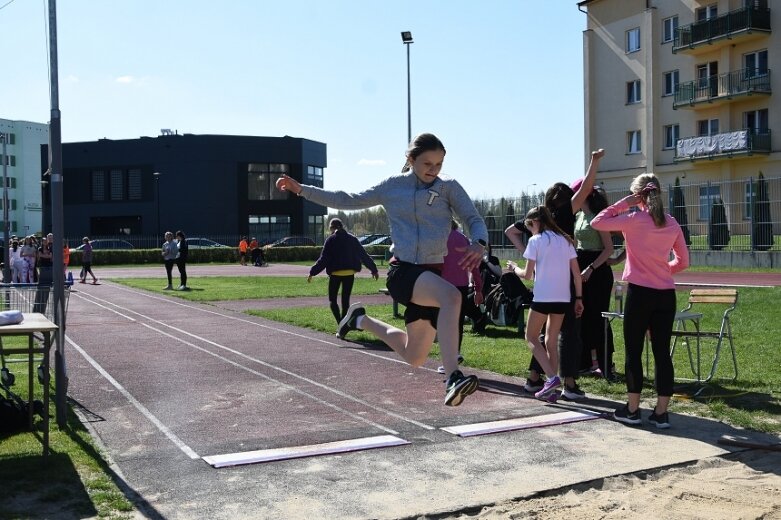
[
  {"x": 550, "y": 307},
  {"x": 401, "y": 282}
]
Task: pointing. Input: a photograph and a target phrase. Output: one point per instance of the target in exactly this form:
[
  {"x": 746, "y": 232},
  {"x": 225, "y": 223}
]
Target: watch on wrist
[{"x": 482, "y": 242}]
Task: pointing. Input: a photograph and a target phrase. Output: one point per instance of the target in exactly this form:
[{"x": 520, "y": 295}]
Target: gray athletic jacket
[{"x": 419, "y": 214}]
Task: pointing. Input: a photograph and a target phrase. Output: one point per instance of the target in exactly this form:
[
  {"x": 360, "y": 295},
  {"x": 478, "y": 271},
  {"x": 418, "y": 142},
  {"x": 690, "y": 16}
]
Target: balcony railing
[
  {"x": 727, "y": 144},
  {"x": 723, "y": 86},
  {"x": 746, "y": 19}
]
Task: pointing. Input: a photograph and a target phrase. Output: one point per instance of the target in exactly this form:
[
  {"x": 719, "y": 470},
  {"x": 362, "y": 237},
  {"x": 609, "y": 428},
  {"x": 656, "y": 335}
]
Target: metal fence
[{"x": 740, "y": 215}]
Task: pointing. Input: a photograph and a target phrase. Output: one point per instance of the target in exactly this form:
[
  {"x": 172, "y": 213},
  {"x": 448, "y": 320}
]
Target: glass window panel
[{"x": 98, "y": 186}]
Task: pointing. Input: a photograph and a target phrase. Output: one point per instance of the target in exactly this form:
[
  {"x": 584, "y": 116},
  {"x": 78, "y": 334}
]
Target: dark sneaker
[
  {"x": 573, "y": 393},
  {"x": 459, "y": 386},
  {"x": 625, "y": 416},
  {"x": 533, "y": 386},
  {"x": 348, "y": 322},
  {"x": 550, "y": 385},
  {"x": 661, "y": 421}
]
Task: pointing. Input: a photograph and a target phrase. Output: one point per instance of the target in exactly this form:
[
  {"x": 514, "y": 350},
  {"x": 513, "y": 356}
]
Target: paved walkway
[{"x": 168, "y": 386}]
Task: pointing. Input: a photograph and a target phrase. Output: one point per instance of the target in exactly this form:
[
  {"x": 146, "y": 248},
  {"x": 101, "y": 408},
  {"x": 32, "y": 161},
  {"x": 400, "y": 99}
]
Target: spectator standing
[
  {"x": 17, "y": 264},
  {"x": 169, "y": 252},
  {"x": 183, "y": 249},
  {"x": 457, "y": 244},
  {"x": 86, "y": 262},
  {"x": 27, "y": 254},
  {"x": 563, "y": 203},
  {"x": 341, "y": 257},
  {"x": 66, "y": 257},
  {"x": 243, "y": 245},
  {"x": 650, "y": 236},
  {"x": 419, "y": 204}
]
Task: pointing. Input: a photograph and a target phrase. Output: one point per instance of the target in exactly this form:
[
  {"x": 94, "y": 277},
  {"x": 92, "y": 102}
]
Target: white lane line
[
  {"x": 296, "y": 452},
  {"x": 140, "y": 407},
  {"x": 273, "y": 367},
  {"x": 256, "y": 324},
  {"x": 82, "y": 296},
  {"x": 524, "y": 423},
  {"x": 276, "y": 381}
]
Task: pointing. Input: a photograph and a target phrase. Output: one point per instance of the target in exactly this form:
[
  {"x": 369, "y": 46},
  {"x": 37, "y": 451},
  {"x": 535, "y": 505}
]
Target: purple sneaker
[{"x": 550, "y": 385}]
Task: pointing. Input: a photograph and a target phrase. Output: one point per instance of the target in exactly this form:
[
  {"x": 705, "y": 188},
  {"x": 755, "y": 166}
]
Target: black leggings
[
  {"x": 596, "y": 300},
  {"x": 169, "y": 266},
  {"x": 651, "y": 310},
  {"x": 346, "y": 283},
  {"x": 468, "y": 309},
  {"x": 181, "y": 265}
]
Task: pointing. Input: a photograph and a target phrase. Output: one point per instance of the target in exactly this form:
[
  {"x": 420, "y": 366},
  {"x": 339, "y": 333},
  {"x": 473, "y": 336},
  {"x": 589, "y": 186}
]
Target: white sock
[{"x": 358, "y": 321}]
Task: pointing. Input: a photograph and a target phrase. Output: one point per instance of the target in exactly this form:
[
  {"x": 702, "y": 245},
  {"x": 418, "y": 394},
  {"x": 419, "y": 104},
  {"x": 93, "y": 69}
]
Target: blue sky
[{"x": 500, "y": 82}]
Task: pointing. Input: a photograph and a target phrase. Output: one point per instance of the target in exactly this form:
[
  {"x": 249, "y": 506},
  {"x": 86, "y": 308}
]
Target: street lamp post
[
  {"x": 528, "y": 197},
  {"x": 6, "y": 223},
  {"x": 157, "y": 201},
  {"x": 406, "y": 38}
]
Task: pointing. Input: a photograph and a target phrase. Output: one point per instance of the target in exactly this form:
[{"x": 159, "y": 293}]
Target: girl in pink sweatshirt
[{"x": 650, "y": 235}]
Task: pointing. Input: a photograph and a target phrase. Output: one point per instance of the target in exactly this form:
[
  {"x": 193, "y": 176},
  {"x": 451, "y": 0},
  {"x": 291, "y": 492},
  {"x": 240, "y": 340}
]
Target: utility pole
[
  {"x": 6, "y": 223},
  {"x": 58, "y": 228}
]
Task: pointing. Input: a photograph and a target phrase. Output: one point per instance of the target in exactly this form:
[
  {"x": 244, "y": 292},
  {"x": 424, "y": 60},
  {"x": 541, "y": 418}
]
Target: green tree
[
  {"x": 761, "y": 221},
  {"x": 718, "y": 230},
  {"x": 679, "y": 211}
]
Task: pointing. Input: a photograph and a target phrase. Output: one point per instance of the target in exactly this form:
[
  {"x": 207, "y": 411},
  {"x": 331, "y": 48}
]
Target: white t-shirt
[{"x": 552, "y": 254}]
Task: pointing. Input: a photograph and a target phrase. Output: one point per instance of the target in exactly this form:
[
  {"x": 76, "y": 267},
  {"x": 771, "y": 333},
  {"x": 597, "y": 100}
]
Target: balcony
[
  {"x": 745, "y": 23},
  {"x": 722, "y": 88},
  {"x": 724, "y": 145}
]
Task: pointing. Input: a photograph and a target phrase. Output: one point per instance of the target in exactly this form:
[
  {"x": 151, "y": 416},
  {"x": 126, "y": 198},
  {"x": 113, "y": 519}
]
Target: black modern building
[{"x": 208, "y": 185}]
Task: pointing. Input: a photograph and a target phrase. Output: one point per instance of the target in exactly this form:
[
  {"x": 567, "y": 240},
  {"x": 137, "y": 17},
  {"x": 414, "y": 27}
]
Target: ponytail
[{"x": 647, "y": 186}]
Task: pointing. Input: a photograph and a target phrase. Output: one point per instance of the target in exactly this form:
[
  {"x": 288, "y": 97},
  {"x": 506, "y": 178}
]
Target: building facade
[
  {"x": 684, "y": 89},
  {"x": 207, "y": 185},
  {"x": 23, "y": 140}
]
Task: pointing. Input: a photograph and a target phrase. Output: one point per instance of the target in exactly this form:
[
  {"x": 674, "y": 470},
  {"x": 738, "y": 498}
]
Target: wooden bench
[{"x": 726, "y": 300}]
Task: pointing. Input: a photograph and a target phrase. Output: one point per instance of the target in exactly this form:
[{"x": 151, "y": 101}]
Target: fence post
[{"x": 751, "y": 209}]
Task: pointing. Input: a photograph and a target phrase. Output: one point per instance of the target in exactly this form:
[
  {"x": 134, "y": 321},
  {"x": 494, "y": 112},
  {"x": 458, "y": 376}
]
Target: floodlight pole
[
  {"x": 6, "y": 223},
  {"x": 406, "y": 38}
]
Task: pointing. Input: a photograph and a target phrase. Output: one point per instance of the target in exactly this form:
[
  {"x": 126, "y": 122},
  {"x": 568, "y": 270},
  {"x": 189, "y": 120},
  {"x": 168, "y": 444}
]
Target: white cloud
[
  {"x": 371, "y": 162},
  {"x": 125, "y": 79}
]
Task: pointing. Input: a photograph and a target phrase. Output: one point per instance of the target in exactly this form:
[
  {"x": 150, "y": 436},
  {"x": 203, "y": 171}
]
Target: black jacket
[{"x": 342, "y": 251}]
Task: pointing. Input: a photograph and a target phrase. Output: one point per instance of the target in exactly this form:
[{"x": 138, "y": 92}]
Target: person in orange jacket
[{"x": 243, "y": 251}]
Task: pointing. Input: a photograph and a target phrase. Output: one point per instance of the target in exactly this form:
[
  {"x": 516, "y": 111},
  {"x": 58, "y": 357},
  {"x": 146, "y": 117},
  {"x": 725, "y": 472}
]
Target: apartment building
[
  {"x": 684, "y": 88},
  {"x": 23, "y": 140}
]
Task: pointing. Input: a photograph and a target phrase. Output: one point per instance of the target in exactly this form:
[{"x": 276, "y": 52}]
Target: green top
[{"x": 586, "y": 237}]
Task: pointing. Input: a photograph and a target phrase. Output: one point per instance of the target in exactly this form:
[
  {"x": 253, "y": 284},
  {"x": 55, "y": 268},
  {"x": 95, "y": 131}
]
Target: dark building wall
[{"x": 202, "y": 183}]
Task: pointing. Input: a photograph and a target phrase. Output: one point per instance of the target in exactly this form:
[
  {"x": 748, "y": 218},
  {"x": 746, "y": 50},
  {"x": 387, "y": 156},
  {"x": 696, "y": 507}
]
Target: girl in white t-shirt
[{"x": 550, "y": 258}]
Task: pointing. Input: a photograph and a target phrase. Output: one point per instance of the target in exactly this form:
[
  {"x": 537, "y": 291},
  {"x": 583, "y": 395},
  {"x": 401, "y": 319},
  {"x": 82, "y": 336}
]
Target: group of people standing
[
  {"x": 29, "y": 256},
  {"x": 568, "y": 249},
  {"x": 175, "y": 252},
  {"x": 251, "y": 247}
]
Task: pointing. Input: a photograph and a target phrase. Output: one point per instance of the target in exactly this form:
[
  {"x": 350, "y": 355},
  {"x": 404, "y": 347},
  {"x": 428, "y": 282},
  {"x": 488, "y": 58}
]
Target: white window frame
[
  {"x": 669, "y": 25},
  {"x": 634, "y": 142},
  {"x": 633, "y": 92},
  {"x": 756, "y": 70},
  {"x": 749, "y": 190},
  {"x": 632, "y": 43},
  {"x": 671, "y": 81},
  {"x": 715, "y": 193},
  {"x": 761, "y": 120},
  {"x": 671, "y": 135},
  {"x": 706, "y": 13}
]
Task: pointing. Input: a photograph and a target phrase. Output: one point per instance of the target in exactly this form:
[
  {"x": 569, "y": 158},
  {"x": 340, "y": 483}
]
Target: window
[
  {"x": 633, "y": 40},
  {"x": 670, "y": 83},
  {"x": 750, "y": 194},
  {"x": 316, "y": 227},
  {"x": 756, "y": 120},
  {"x": 98, "y": 186},
  {"x": 134, "y": 184},
  {"x": 671, "y": 136},
  {"x": 633, "y": 141},
  {"x": 9, "y": 138},
  {"x": 633, "y": 92},
  {"x": 669, "y": 26},
  {"x": 755, "y": 64},
  {"x": 756, "y": 4},
  {"x": 707, "y": 127},
  {"x": 708, "y": 194},
  {"x": 261, "y": 181},
  {"x": 315, "y": 175},
  {"x": 708, "y": 12},
  {"x": 117, "y": 184},
  {"x": 10, "y": 160},
  {"x": 11, "y": 205},
  {"x": 11, "y": 182},
  {"x": 14, "y": 227},
  {"x": 268, "y": 228}
]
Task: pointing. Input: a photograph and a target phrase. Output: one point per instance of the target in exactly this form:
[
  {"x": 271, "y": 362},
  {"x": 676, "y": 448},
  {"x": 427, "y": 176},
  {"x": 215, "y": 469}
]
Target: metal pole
[
  {"x": 58, "y": 229},
  {"x": 409, "y": 99},
  {"x": 6, "y": 223},
  {"x": 157, "y": 197}
]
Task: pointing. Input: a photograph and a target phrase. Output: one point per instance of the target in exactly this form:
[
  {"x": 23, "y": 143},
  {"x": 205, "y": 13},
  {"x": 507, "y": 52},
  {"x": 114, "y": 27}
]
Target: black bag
[
  {"x": 13, "y": 416},
  {"x": 504, "y": 302}
]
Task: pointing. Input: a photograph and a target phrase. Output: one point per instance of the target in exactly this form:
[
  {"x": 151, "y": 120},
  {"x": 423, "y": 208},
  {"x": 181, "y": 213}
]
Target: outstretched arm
[
  {"x": 515, "y": 236},
  {"x": 588, "y": 181}
]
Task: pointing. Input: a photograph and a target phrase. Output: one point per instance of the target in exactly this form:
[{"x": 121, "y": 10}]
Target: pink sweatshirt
[
  {"x": 647, "y": 247},
  {"x": 451, "y": 271}
]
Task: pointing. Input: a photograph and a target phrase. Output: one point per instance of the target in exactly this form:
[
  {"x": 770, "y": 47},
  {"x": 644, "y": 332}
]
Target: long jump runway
[{"x": 210, "y": 413}]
